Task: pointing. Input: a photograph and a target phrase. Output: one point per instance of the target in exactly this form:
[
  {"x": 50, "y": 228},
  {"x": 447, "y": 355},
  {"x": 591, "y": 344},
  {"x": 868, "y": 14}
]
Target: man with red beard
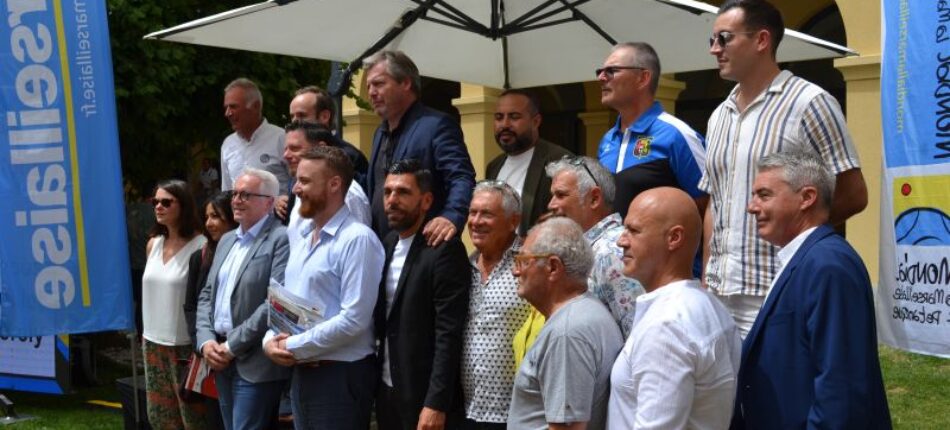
[
  {"x": 335, "y": 266},
  {"x": 420, "y": 313},
  {"x": 517, "y": 118}
]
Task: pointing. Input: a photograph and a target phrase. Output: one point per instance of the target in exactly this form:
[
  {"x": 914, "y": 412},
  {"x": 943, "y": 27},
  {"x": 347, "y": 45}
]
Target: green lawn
[{"x": 918, "y": 387}]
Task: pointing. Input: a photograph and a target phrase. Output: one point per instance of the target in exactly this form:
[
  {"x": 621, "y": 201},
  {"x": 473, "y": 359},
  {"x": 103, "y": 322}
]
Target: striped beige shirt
[{"x": 791, "y": 113}]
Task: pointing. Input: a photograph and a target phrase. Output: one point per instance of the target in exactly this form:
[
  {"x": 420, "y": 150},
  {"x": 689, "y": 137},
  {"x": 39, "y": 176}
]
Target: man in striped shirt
[{"x": 768, "y": 111}]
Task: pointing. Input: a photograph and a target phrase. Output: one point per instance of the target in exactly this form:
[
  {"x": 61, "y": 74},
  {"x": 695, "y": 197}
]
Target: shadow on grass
[{"x": 918, "y": 387}]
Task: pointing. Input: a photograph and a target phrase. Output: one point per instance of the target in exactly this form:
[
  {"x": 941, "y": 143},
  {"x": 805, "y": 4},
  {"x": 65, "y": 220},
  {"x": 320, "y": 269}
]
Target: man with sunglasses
[
  {"x": 768, "y": 111},
  {"x": 564, "y": 380},
  {"x": 647, "y": 147}
]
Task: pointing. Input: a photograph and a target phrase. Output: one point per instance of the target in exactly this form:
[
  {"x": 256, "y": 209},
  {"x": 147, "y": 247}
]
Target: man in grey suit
[
  {"x": 517, "y": 118},
  {"x": 232, "y": 315}
]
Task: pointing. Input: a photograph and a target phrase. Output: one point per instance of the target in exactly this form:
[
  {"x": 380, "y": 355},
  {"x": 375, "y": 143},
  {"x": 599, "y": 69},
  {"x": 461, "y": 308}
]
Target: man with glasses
[
  {"x": 768, "y": 111},
  {"x": 564, "y": 380},
  {"x": 583, "y": 190},
  {"x": 517, "y": 119},
  {"x": 647, "y": 147},
  {"x": 495, "y": 311},
  {"x": 230, "y": 325}
]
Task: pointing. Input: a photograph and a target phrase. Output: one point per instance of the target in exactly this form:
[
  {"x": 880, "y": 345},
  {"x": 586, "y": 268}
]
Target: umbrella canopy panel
[{"x": 520, "y": 43}]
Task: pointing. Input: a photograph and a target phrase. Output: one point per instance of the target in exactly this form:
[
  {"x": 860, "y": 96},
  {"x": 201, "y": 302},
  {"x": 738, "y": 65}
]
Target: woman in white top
[{"x": 167, "y": 346}]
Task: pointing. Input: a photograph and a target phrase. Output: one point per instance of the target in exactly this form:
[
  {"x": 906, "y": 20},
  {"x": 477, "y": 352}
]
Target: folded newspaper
[{"x": 290, "y": 313}]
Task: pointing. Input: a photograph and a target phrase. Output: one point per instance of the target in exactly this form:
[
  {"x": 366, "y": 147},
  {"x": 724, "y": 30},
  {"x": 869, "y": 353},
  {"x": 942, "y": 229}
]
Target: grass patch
[
  {"x": 918, "y": 387},
  {"x": 72, "y": 411}
]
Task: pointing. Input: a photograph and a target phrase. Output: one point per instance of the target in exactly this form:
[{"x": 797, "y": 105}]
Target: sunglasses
[
  {"x": 724, "y": 37},
  {"x": 243, "y": 196},
  {"x": 496, "y": 184},
  {"x": 610, "y": 71},
  {"x": 164, "y": 202},
  {"x": 576, "y": 160}
]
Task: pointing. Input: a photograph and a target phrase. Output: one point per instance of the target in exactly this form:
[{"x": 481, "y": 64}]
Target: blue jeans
[
  {"x": 246, "y": 405},
  {"x": 334, "y": 396}
]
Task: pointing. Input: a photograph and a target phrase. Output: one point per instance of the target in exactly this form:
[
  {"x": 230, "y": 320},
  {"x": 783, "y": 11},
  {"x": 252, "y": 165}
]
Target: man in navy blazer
[
  {"x": 412, "y": 130},
  {"x": 810, "y": 359}
]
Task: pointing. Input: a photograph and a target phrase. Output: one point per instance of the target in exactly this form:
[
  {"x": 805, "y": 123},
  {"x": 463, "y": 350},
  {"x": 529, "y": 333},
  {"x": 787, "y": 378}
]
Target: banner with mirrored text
[
  {"x": 914, "y": 292},
  {"x": 63, "y": 260}
]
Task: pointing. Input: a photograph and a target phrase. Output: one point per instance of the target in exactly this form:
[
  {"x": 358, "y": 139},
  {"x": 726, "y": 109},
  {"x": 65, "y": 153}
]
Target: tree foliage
[{"x": 169, "y": 95}]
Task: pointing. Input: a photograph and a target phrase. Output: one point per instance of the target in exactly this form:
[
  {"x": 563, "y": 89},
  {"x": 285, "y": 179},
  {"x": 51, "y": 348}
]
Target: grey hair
[
  {"x": 510, "y": 201},
  {"x": 564, "y": 238},
  {"x": 269, "y": 185},
  {"x": 399, "y": 66},
  {"x": 646, "y": 57},
  {"x": 585, "y": 182},
  {"x": 800, "y": 169},
  {"x": 251, "y": 92}
]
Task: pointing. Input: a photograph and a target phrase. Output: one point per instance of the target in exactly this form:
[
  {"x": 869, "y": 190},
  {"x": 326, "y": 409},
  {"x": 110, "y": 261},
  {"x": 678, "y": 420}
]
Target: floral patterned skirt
[{"x": 163, "y": 372}]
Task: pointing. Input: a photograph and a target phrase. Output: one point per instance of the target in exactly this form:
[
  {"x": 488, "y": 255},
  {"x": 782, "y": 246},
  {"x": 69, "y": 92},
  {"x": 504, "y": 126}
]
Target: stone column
[
  {"x": 476, "y": 106},
  {"x": 862, "y": 76}
]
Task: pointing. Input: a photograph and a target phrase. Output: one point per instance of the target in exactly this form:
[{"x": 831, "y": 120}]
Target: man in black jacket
[{"x": 420, "y": 312}]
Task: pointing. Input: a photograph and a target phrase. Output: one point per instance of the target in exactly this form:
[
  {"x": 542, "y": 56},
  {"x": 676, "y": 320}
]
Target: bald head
[{"x": 662, "y": 232}]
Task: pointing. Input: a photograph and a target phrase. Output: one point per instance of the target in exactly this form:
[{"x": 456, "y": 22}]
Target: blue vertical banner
[
  {"x": 914, "y": 291},
  {"x": 64, "y": 265}
]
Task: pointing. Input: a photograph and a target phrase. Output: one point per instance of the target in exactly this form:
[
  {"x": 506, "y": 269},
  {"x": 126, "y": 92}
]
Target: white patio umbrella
[{"x": 497, "y": 43}]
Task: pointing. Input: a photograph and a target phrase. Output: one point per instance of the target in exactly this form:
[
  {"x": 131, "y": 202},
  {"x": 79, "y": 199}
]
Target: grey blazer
[{"x": 266, "y": 259}]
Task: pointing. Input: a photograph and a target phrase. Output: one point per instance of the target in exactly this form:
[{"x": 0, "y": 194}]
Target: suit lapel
[
  {"x": 779, "y": 288},
  {"x": 531, "y": 180},
  {"x": 255, "y": 245},
  {"x": 418, "y": 243}
]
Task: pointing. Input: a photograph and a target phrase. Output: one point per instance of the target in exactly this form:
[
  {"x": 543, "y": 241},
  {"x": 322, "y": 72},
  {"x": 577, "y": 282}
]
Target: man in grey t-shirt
[{"x": 564, "y": 379}]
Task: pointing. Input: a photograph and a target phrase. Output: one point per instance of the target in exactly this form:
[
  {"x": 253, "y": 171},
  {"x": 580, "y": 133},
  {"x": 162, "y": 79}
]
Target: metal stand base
[{"x": 9, "y": 415}]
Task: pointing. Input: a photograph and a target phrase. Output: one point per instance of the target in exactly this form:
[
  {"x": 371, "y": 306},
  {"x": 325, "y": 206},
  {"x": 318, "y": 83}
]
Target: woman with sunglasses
[{"x": 174, "y": 238}]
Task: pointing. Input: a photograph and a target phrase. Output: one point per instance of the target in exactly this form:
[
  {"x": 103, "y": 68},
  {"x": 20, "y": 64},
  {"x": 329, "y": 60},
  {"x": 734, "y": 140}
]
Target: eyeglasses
[
  {"x": 522, "y": 260},
  {"x": 609, "y": 71},
  {"x": 576, "y": 160},
  {"x": 164, "y": 202},
  {"x": 243, "y": 196},
  {"x": 724, "y": 37}
]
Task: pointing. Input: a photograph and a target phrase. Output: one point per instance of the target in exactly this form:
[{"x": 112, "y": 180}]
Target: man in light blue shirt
[{"x": 336, "y": 266}]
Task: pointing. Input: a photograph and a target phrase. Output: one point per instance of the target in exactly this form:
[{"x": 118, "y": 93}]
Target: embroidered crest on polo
[{"x": 642, "y": 147}]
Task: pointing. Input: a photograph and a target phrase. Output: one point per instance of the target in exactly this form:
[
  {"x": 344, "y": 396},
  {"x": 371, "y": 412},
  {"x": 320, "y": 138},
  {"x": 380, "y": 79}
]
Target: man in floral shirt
[{"x": 583, "y": 191}]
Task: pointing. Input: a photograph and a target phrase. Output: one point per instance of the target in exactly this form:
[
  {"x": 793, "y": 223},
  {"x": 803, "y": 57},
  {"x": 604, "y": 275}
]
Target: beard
[
  {"x": 520, "y": 144},
  {"x": 310, "y": 208},
  {"x": 400, "y": 220}
]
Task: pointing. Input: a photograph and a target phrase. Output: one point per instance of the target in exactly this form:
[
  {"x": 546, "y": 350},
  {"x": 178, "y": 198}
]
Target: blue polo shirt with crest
[{"x": 657, "y": 150}]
